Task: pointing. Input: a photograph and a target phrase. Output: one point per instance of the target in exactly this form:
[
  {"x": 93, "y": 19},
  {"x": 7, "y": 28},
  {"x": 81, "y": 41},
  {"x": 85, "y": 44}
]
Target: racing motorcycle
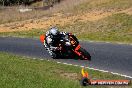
[{"x": 69, "y": 47}]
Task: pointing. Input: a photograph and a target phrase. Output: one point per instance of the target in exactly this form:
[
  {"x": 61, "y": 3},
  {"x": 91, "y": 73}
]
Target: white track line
[
  {"x": 58, "y": 62},
  {"x": 41, "y": 59},
  {"x": 114, "y": 73},
  {"x": 82, "y": 66},
  {"x": 94, "y": 68},
  {"x": 111, "y": 72},
  {"x": 75, "y": 65},
  {"x": 100, "y": 70},
  {"x": 68, "y": 64},
  {"x": 34, "y": 58},
  {"x": 65, "y": 63},
  {"x": 107, "y": 42}
]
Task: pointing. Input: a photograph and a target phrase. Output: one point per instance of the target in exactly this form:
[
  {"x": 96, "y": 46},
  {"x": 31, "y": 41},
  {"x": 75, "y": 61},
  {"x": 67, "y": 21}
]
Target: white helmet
[{"x": 54, "y": 31}]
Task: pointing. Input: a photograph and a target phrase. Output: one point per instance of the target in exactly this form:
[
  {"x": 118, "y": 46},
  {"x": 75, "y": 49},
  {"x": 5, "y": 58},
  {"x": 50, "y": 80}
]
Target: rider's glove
[
  {"x": 54, "y": 48},
  {"x": 68, "y": 43}
]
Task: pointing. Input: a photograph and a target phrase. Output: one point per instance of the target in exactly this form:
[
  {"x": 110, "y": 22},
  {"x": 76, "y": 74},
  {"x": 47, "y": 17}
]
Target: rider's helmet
[{"x": 54, "y": 32}]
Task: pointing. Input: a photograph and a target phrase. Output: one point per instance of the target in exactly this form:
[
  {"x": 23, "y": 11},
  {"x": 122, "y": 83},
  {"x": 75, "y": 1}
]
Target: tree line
[{"x": 24, "y": 2}]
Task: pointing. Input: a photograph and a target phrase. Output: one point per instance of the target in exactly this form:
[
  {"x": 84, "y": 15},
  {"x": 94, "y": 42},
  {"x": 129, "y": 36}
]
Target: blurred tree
[{"x": 27, "y": 2}]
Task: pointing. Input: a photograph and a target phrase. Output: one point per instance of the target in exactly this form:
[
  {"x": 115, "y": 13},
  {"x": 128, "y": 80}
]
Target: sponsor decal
[{"x": 86, "y": 81}]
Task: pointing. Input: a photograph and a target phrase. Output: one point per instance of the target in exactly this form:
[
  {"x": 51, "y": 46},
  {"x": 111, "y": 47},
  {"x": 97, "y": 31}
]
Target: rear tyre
[{"x": 85, "y": 55}]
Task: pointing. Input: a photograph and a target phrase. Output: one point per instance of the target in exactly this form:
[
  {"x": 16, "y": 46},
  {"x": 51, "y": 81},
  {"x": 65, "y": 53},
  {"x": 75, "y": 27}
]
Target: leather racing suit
[{"x": 51, "y": 41}]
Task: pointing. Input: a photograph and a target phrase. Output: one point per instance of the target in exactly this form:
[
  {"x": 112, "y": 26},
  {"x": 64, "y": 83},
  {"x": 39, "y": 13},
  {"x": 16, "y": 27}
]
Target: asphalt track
[{"x": 111, "y": 57}]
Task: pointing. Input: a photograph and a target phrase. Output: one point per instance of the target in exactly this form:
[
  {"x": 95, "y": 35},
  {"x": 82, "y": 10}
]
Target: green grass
[
  {"x": 34, "y": 33},
  {"x": 21, "y": 72},
  {"x": 73, "y": 7},
  {"x": 115, "y": 28},
  {"x": 104, "y": 5}
]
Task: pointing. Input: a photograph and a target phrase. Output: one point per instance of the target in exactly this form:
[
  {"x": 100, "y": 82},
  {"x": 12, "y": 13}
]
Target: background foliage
[{"x": 25, "y": 2}]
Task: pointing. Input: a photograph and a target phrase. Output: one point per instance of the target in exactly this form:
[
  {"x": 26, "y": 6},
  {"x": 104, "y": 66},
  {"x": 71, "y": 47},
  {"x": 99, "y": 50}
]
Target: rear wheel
[{"x": 85, "y": 55}]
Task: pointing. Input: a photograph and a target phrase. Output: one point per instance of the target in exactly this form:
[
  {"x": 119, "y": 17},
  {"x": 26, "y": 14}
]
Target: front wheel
[
  {"x": 84, "y": 54},
  {"x": 55, "y": 55}
]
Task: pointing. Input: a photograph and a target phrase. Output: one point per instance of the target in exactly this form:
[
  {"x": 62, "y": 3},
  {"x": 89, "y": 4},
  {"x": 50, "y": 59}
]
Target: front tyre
[{"x": 54, "y": 55}]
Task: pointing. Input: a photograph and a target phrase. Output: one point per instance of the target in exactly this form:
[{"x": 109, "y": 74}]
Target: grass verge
[
  {"x": 21, "y": 72},
  {"x": 105, "y": 5},
  {"x": 114, "y": 28}
]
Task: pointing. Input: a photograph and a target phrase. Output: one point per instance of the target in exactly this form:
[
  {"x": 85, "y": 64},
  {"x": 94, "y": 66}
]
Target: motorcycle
[{"x": 68, "y": 47}]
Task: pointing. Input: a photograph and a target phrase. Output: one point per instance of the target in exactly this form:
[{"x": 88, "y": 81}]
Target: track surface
[{"x": 111, "y": 57}]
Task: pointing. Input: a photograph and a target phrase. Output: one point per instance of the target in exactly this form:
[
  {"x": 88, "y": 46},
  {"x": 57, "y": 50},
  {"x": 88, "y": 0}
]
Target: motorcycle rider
[{"x": 53, "y": 36}]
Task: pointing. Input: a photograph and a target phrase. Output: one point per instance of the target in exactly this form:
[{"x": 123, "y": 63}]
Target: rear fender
[{"x": 76, "y": 50}]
